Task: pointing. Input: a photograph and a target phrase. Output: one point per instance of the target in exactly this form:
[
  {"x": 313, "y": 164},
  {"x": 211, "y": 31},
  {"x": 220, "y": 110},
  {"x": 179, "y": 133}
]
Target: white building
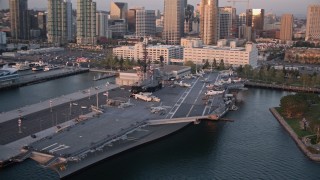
[
  {"x": 191, "y": 42},
  {"x": 3, "y": 38},
  {"x": 231, "y": 55},
  {"x": 135, "y": 52}
]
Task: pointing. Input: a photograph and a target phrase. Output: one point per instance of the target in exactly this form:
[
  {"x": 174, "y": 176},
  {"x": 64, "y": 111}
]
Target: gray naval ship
[{"x": 128, "y": 125}]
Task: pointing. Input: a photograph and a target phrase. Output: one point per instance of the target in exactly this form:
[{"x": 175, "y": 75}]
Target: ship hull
[{"x": 148, "y": 134}]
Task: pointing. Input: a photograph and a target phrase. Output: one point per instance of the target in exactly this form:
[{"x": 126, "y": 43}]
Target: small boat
[
  {"x": 37, "y": 68},
  {"x": 75, "y": 104},
  {"x": 50, "y": 67},
  {"x": 83, "y": 107}
]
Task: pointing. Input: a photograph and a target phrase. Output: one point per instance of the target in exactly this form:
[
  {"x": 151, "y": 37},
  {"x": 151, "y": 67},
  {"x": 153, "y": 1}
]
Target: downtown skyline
[{"x": 297, "y": 7}]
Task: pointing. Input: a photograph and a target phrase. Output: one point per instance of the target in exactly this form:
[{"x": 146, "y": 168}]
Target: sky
[{"x": 278, "y": 7}]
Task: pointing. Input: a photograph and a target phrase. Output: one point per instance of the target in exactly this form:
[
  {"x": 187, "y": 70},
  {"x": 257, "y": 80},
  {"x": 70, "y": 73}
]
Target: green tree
[
  {"x": 248, "y": 71},
  {"x": 121, "y": 62},
  {"x": 214, "y": 63},
  {"x": 305, "y": 80},
  {"x": 240, "y": 70},
  {"x": 293, "y": 106},
  {"x": 206, "y": 64},
  {"x": 221, "y": 65},
  {"x": 192, "y": 65},
  {"x": 279, "y": 77},
  {"x": 127, "y": 64}
]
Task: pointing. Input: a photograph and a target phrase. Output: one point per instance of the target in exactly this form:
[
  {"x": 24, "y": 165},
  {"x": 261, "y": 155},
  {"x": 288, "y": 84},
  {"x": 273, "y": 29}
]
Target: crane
[{"x": 234, "y": 2}]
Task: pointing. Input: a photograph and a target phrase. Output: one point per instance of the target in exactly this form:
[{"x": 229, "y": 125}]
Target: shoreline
[
  {"x": 282, "y": 87},
  {"x": 300, "y": 144}
]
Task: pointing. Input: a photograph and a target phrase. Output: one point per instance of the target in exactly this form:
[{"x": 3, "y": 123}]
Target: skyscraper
[
  {"x": 173, "y": 28},
  {"x": 42, "y": 23},
  {"x": 242, "y": 19},
  {"x": 118, "y": 10},
  {"x": 189, "y": 17},
  {"x": 86, "y": 22},
  {"x": 313, "y": 22},
  {"x": 225, "y": 23},
  {"x": 286, "y": 28},
  {"x": 19, "y": 19},
  {"x": 228, "y": 22},
  {"x": 102, "y": 23},
  {"x": 209, "y": 21},
  {"x": 145, "y": 23},
  {"x": 59, "y": 21},
  {"x": 131, "y": 19},
  {"x": 255, "y": 19},
  {"x": 70, "y": 34}
]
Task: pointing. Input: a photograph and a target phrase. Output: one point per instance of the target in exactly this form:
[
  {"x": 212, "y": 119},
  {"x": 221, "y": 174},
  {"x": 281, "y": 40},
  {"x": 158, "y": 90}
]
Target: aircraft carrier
[{"x": 119, "y": 129}]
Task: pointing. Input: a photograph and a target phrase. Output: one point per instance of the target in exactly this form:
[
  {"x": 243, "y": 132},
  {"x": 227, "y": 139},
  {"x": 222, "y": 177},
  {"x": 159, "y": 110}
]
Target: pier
[{"x": 34, "y": 78}]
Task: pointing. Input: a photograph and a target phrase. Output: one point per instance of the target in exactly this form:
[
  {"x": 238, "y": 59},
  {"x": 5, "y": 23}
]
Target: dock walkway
[{"x": 43, "y": 76}]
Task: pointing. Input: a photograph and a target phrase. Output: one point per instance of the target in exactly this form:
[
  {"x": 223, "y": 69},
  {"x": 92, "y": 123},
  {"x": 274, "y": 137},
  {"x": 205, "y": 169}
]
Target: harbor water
[
  {"x": 254, "y": 146},
  {"x": 26, "y": 95}
]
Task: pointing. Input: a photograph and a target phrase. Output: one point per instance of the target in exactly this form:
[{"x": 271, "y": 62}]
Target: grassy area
[
  {"x": 314, "y": 114},
  {"x": 295, "y": 125}
]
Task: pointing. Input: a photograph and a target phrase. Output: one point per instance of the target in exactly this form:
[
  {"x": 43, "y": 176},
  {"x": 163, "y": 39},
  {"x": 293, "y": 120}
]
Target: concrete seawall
[
  {"x": 282, "y": 87},
  {"x": 301, "y": 145}
]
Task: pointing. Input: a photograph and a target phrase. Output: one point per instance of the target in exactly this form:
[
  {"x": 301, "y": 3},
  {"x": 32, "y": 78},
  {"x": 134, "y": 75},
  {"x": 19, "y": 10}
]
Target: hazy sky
[{"x": 276, "y": 6}]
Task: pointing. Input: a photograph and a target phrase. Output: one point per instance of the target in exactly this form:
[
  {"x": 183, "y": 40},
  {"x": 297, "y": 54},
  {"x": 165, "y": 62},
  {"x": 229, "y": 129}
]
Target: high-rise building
[
  {"x": 118, "y": 10},
  {"x": 70, "y": 31},
  {"x": 173, "y": 28},
  {"x": 19, "y": 19},
  {"x": 313, "y": 22},
  {"x": 286, "y": 28},
  {"x": 255, "y": 19},
  {"x": 102, "y": 23},
  {"x": 59, "y": 21},
  {"x": 145, "y": 23},
  {"x": 232, "y": 21},
  {"x": 86, "y": 22},
  {"x": 209, "y": 21},
  {"x": 159, "y": 25},
  {"x": 228, "y": 22},
  {"x": 42, "y": 23},
  {"x": 242, "y": 19},
  {"x": 33, "y": 19},
  {"x": 131, "y": 19},
  {"x": 189, "y": 16},
  {"x": 225, "y": 23}
]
